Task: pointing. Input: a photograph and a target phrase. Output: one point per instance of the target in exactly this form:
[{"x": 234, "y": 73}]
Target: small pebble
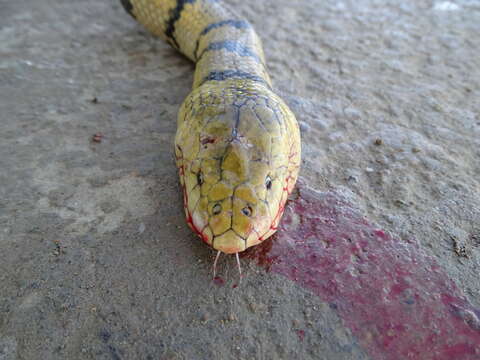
[
  {"x": 97, "y": 137},
  {"x": 352, "y": 179}
]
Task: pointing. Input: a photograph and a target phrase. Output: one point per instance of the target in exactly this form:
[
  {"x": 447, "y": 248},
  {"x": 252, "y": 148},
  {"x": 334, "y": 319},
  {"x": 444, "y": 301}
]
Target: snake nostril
[
  {"x": 247, "y": 211},
  {"x": 217, "y": 209}
]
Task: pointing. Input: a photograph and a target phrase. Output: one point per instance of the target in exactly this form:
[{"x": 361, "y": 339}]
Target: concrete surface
[{"x": 96, "y": 261}]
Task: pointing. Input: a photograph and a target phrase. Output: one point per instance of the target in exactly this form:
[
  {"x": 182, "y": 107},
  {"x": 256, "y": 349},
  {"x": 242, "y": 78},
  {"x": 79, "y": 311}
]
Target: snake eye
[
  {"x": 217, "y": 209},
  {"x": 200, "y": 178},
  {"x": 268, "y": 182},
  {"x": 247, "y": 211}
]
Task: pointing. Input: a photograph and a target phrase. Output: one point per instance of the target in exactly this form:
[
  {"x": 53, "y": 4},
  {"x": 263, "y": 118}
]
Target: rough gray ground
[{"x": 96, "y": 261}]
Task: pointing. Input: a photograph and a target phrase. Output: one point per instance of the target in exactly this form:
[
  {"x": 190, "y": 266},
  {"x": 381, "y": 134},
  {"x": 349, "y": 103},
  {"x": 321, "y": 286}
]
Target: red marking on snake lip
[
  {"x": 395, "y": 299},
  {"x": 189, "y": 217},
  {"x": 192, "y": 226}
]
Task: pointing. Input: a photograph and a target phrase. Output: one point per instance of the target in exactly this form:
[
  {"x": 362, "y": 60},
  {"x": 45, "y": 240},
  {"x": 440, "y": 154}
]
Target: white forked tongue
[
  {"x": 215, "y": 264},
  {"x": 238, "y": 265}
]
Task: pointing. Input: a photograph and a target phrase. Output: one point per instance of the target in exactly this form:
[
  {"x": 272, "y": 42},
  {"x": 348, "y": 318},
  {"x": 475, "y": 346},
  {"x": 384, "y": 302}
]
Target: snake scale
[{"x": 237, "y": 145}]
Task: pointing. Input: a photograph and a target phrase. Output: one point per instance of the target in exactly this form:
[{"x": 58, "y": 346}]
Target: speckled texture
[{"x": 96, "y": 261}]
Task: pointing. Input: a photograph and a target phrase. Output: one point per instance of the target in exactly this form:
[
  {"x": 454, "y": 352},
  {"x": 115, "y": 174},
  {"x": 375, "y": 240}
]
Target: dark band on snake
[
  {"x": 238, "y": 24},
  {"x": 231, "y": 46},
  {"x": 232, "y": 74},
  {"x": 174, "y": 16}
]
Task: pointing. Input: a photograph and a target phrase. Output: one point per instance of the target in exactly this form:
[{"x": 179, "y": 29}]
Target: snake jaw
[{"x": 255, "y": 229}]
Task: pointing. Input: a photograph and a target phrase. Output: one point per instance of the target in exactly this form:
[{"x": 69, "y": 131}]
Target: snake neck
[{"x": 222, "y": 44}]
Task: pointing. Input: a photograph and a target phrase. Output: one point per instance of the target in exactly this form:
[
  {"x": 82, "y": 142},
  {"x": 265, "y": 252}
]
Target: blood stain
[{"x": 398, "y": 292}]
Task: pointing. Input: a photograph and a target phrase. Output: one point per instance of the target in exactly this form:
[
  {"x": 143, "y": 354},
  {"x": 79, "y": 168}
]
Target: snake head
[{"x": 237, "y": 164}]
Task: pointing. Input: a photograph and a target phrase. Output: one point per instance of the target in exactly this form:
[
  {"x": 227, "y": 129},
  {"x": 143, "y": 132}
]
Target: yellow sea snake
[{"x": 237, "y": 144}]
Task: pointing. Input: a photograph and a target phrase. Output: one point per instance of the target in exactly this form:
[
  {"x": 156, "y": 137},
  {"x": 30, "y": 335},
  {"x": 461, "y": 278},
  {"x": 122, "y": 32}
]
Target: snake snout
[
  {"x": 229, "y": 243},
  {"x": 238, "y": 224}
]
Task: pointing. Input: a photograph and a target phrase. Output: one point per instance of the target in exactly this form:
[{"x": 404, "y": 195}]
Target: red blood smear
[
  {"x": 217, "y": 280},
  {"x": 395, "y": 299},
  {"x": 301, "y": 334}
]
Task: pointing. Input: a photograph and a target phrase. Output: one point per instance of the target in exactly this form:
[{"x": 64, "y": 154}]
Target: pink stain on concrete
[{"x": 395, "y": 299}]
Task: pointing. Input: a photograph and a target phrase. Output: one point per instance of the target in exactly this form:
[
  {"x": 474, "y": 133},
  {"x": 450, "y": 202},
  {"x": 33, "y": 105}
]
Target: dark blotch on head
[
  {"x": 127, "y": 5},
  {"x": 208, "y": 140}
]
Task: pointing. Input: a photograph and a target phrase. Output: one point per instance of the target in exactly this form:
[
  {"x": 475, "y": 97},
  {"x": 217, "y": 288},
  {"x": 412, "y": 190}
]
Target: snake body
[{"x": 237, "y": 145}]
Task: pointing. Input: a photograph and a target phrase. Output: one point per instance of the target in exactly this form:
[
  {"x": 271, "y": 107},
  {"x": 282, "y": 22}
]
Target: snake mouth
[
  {"x": 229, "y": 243},
  {"x": 232, "y": 230}
]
